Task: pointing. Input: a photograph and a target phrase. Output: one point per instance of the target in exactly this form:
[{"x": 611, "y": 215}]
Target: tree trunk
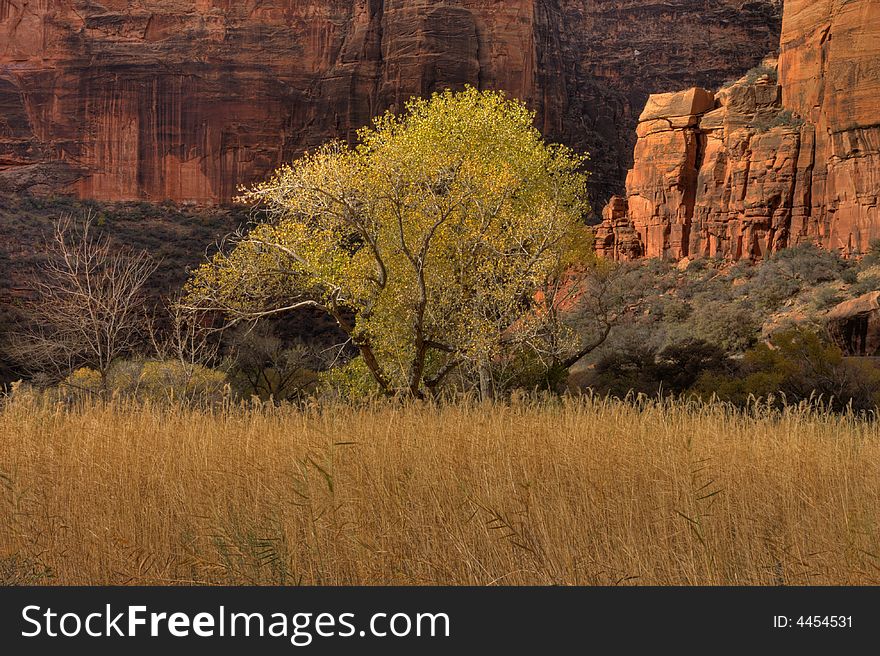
[{"x": 487, "y": 385}]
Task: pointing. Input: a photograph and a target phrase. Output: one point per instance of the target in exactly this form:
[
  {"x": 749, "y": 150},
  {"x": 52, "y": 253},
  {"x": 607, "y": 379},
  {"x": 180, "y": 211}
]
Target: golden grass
[{"x": 574, "y": 492}]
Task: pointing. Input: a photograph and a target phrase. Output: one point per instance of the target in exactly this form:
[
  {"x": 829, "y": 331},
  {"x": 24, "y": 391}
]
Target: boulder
[{"x": 854, "y": 325}]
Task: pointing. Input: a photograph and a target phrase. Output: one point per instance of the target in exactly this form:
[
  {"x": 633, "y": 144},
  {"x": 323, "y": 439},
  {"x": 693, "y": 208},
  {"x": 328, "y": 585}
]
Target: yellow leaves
[{"x": 438, "y": 226}]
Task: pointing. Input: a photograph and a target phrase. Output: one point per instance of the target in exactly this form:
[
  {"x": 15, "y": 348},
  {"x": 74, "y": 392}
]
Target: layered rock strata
[
  {"x": 188, "y": 99},
  {"x": 785, "y": 155}
]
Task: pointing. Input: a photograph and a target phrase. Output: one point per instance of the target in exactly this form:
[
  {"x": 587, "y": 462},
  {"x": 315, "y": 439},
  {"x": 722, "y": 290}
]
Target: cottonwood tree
[
  {"x": 427, "y": 242},
  {"x": 88, "y": 306}
]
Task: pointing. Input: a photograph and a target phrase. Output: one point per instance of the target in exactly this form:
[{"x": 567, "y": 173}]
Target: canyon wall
[
  {"x": 788, "y": 154},
  {"x": 189, "y": 99}
]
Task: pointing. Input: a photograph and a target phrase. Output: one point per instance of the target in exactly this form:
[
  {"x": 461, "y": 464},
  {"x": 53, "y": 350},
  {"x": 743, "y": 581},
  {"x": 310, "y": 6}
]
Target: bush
[
  {"x": 733, "y": 326},
  {"x": 350, "y": 382},
  {"x": 166, "y": 380},
  {"x": 623, "y": 371},
  {"x": 172, "y": 380},
  {"x": 792, "y": 270},
  {"x": 266, "y": 366},
  {"x": 827, "y": 297},
  {"x": 798, "y": 366},
  {"x": 679, "y": 366},
  {"x": 867, "y": 283},
  {"x": 872, "y": 257},
  {"x": 642, "y": 370},
  {"x": 785, "y": 118}
]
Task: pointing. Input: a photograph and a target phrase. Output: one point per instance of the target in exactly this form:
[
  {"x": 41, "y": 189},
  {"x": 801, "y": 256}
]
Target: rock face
[
  {"x": 854, "y": 325},
  {"x": 188, "y": 99},
  {"x": 773, "y": 162}
]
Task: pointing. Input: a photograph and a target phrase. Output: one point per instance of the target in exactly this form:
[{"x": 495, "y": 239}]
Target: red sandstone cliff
[
  {"x": 188, "y": 99},
  {"x": 763, "y": 165}
]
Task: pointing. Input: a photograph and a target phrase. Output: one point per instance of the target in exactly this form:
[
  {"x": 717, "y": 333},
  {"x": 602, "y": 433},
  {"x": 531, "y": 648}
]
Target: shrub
[
  {"x": 351, "y": 382},
  {"x": 792, "y": 270},
  {"x": 167, "y": 380},
  {"x": 679, "y": 366},
  {"x": 628, "y": 370},
  {"x": 827, "y": 297},
  {"x": 785, "y": 118},
  {"x": 797, "y": 366},
  {"x": 640, "y": 369},
  {"x": 733, "y": 326},
  {"x": 872, "y": 257},
  {"x": 172, "y": 380},
  {"x": 866, "y": 284},
  {"x": 264, "y": 365}
]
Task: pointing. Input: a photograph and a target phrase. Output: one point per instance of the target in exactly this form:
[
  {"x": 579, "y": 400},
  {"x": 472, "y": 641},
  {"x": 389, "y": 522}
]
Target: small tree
[
  {"x": 428, "y": 243},
  {"x": 88, "y": 306},
  {"x": 186, "y": 337},
  {"x": 264, "y": 365}
]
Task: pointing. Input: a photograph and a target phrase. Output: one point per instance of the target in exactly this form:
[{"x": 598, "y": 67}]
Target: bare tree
[
  {"x": 189, "y": 338},
  {"x": 270, "y": 368},
  {"x": 88, "y": 306},
  {"x": 577, "y": 311}
]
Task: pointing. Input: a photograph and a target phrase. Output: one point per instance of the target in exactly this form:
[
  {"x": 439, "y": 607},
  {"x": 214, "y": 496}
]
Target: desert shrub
[
  {"x": 784, "y": 118},
  {"x": 733, "y": 326},
  {"x": 866, "y": 284},
  {"x": 752, "y": 75},
  {"x": 827, "y": 297},
  {"x": 641, "y": 369},
  {"x": 797, "y": 366},
  {"x": 872, "y": 257},
  {"x": 670, "y": 307},
  {"x": 792, "y": 270}
]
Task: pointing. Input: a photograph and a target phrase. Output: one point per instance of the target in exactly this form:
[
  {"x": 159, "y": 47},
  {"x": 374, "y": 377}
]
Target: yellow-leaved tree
[{"x": 429, "y": 242}]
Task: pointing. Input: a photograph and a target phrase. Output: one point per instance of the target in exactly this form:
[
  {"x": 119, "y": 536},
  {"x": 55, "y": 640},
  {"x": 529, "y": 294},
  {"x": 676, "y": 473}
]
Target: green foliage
[
  {"x": 641, "y": 369},
  {"x": 352, "y": 381},
  {"x": 798, "y": 366},
  {"x": 434, "y": 234}
]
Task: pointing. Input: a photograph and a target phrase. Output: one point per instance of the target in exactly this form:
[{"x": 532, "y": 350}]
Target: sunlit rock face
[
  {"x": 775, "y": 159},
  {"x": 189, "y": 99}
]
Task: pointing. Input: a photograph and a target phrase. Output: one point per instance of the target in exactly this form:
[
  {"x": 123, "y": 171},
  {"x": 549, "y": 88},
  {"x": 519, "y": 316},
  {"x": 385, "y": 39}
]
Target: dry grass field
[{"x": 553, "y": 492}]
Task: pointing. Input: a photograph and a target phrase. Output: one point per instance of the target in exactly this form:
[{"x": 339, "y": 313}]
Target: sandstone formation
[
  {"x": 854, "y": 325},
  {"x": 188, "y": 99},
  {"x": 771, "y": 162}
]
